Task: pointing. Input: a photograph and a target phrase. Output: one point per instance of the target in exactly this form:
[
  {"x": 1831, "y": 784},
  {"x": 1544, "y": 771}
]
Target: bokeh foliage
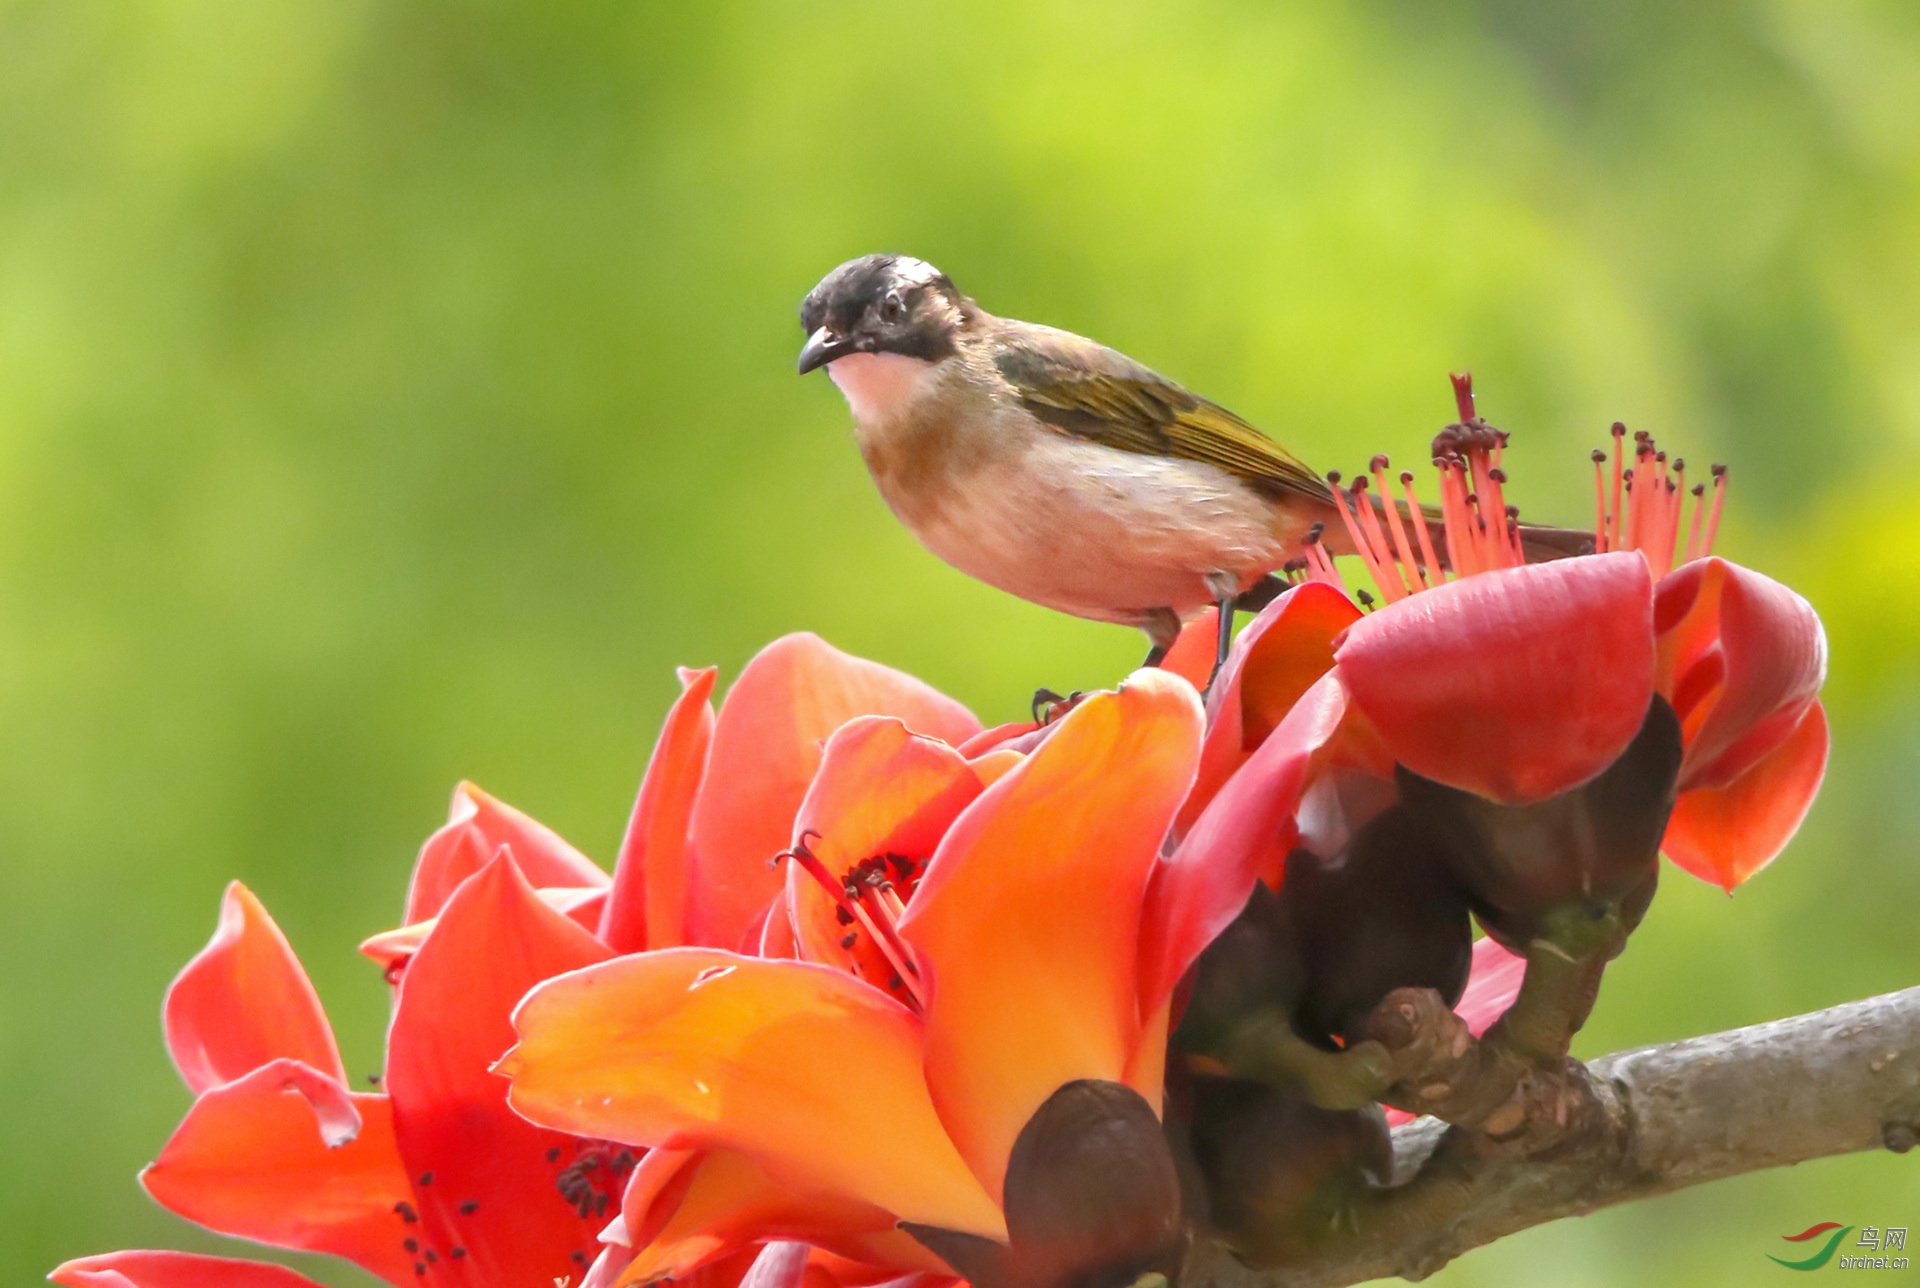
[{"x": 393, "y": 391}]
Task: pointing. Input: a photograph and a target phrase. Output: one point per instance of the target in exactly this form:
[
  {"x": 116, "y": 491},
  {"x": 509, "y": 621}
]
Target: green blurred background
[{"x": 393, "y": 391}]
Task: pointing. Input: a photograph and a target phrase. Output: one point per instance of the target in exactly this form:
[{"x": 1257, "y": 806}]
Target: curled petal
[
  {"x": 1191, "y": 657},
  {"x": 244, "y": 1001},
  {"x": 806, "y": 1070},
  {"x": 289, "y": 1157},
  {"x": 477, "y": 826},
  {"x": 494, "y": 941},
  {"x": 1281, "y": 654},
  {"x": 694, "y": 1208},
  {"x": 1516, "y": 684},
  {"x": 881, "y": 790},
  {"x": 1726, "y": 834},
  {"x": 766, "y": 747},
  {"x": 1741, "y": 658},
  {"x": 989, "y": 740},
  {"x": 1247, "y": 830},
  {"x": 1049, "y": 867},
  {"x": 162, "y": 1269},
  {"x": 648, "y": 904}
]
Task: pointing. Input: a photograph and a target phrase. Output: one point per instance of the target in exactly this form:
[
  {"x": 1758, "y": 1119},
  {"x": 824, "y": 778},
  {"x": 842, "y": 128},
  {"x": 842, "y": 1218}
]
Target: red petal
[
  {"x": 1492, "y": 985},
  {"x": 477, "y": 826},
  {"x": 158, "y": 1269},
  {"x": 1515, "y": 684},
  {"x": 1280, "y": 655},
  {"x": 648, "y": 904},
  {"x": 1198, "y": 891},
  {"x": 494, "y": 941},
  {"x": 881, "y": 790},
  {"x": 803, "y": 1068},
  {"x": 766, "y": 747},
  {"x": 1741, "y": 658},
  {"x": 1726, "y": 834},
  {"x": 243, "y": 1001},
  {"x": 1027, "y": 922},
  {"x": 252, "y": 1159},
  {"x": 392, "y": 949}
]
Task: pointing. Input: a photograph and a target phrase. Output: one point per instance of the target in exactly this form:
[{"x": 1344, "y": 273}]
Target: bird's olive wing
[{"x": 1099, "y": 394}]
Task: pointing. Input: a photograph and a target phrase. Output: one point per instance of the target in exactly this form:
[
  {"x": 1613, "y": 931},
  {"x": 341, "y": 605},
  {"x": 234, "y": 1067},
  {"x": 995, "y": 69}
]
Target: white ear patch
[{"x": 878, "y": 384}]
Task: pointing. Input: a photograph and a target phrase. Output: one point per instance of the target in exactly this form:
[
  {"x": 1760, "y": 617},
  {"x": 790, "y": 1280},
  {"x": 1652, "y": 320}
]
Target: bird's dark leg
[
  {"x": 1225, "y": 587},
  {"x": 1223, "y": 641},
  {"x": 1162, "y": 626}
]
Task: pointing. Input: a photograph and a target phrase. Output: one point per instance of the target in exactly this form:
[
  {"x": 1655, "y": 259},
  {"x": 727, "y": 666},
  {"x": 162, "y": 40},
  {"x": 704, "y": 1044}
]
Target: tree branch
[{"x": 1630, "y": 1126}]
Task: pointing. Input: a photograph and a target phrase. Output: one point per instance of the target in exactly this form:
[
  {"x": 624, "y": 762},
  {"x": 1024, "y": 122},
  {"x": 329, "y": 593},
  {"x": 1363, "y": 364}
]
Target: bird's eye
[{"x": 893, "y": 307}]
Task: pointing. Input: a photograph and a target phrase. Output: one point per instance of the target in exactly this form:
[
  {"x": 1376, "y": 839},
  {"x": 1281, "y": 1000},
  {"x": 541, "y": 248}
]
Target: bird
[{"x": 1057, "y": 469}]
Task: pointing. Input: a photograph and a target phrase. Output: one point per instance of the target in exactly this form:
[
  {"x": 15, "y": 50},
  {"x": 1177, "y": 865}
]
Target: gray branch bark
[{"x": 1632, "y": 1125}]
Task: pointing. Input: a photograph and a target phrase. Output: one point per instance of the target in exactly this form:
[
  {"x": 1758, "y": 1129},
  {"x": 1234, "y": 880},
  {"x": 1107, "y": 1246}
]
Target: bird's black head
[{"x": 881, "y": 304}]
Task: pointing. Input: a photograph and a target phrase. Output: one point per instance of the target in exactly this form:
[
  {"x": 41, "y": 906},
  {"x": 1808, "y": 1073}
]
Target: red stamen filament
[{"x": 880, "y": 917}]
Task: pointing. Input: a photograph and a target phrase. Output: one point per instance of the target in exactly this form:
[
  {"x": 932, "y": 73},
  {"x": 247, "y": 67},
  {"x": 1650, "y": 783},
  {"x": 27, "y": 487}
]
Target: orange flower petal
[
  {"x": 1741, "y": 658},
  {"x": 711, "y": 1203},
  {"x": 1515, "y": 684},
  {"x": 766, "y": 746},
  {"x": 1191, "y": 657},
  {"x": 477, "y": 826},
  {"x": 1726, "y": 834},
  {"x": 253, "y": 1159},
  {"x": 880, "y": 790},
  {"x": 243, "y": 1001},
  {"x": 648, "y": 904},
  {"x": 161, "y": 1269},
  {"x": 1027, "y": 922},
  {"x": 495, "y": 940},
  {"x": 811, "y": 1073},
  {"x": 1275, "y": 660}
]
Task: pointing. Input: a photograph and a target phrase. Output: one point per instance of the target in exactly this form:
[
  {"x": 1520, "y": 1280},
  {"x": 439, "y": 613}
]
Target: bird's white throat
[{"x": 878, "y": 384}]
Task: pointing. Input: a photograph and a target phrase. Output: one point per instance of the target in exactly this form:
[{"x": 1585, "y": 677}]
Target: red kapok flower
[
  {"x": 434, "y": 1179},
  {"x": 842, "y": 1107},
  {"x": 1510, "y": 683}
]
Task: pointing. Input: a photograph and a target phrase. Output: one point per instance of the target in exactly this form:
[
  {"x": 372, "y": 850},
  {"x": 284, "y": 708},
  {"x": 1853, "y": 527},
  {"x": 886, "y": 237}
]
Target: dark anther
[
  {"x": 1359, "y": 484},
  {"x": 1699, "y": 489},
  {"x": 373, "y": 1080},
  {"x": 426, "y": 1178},
  {"x": 469, "y": 1208},
  {"x": 1366, "y": 600},
  {"x": 1314, "y": 533},
  {"x": 456, "y": 1253},
  {"x": 1379, "y": 461},
  {"x": 600, "y": 1205},
  {"x": 896, "y": 982},
  {"x": 431, "y": 1257},
  {"x": 1719, "y": 470},
  {"x": 405, "y": 1211},
  {"x": 579, "y": 1257},
  {"x": 1333, "y": 477},
  {"x": 1679, "y": 462},
  {"x": 410, "y": 1244},
  {"x": 1497, "y": 474},
  {"x": 1599, "y": 457},
  {"x": 848, "y": 941},
  {"x": 841, "y": 915},
  {"x": 1406, "y": 476},
  {"x": 1513, "y": 512},
  {"x": 419, "y": 1267},
  {"x": 553, "y": 1155},
  {"x": 622, "y": 1162},
  {"x": 1619, "y": 429}
]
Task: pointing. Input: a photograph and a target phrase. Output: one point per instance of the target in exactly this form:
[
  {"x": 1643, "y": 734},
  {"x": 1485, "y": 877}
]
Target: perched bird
[{"x": 1052, "y": 467}]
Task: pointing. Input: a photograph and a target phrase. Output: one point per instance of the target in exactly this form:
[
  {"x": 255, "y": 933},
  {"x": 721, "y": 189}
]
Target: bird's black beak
[{"x": 822, "y": 347}]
